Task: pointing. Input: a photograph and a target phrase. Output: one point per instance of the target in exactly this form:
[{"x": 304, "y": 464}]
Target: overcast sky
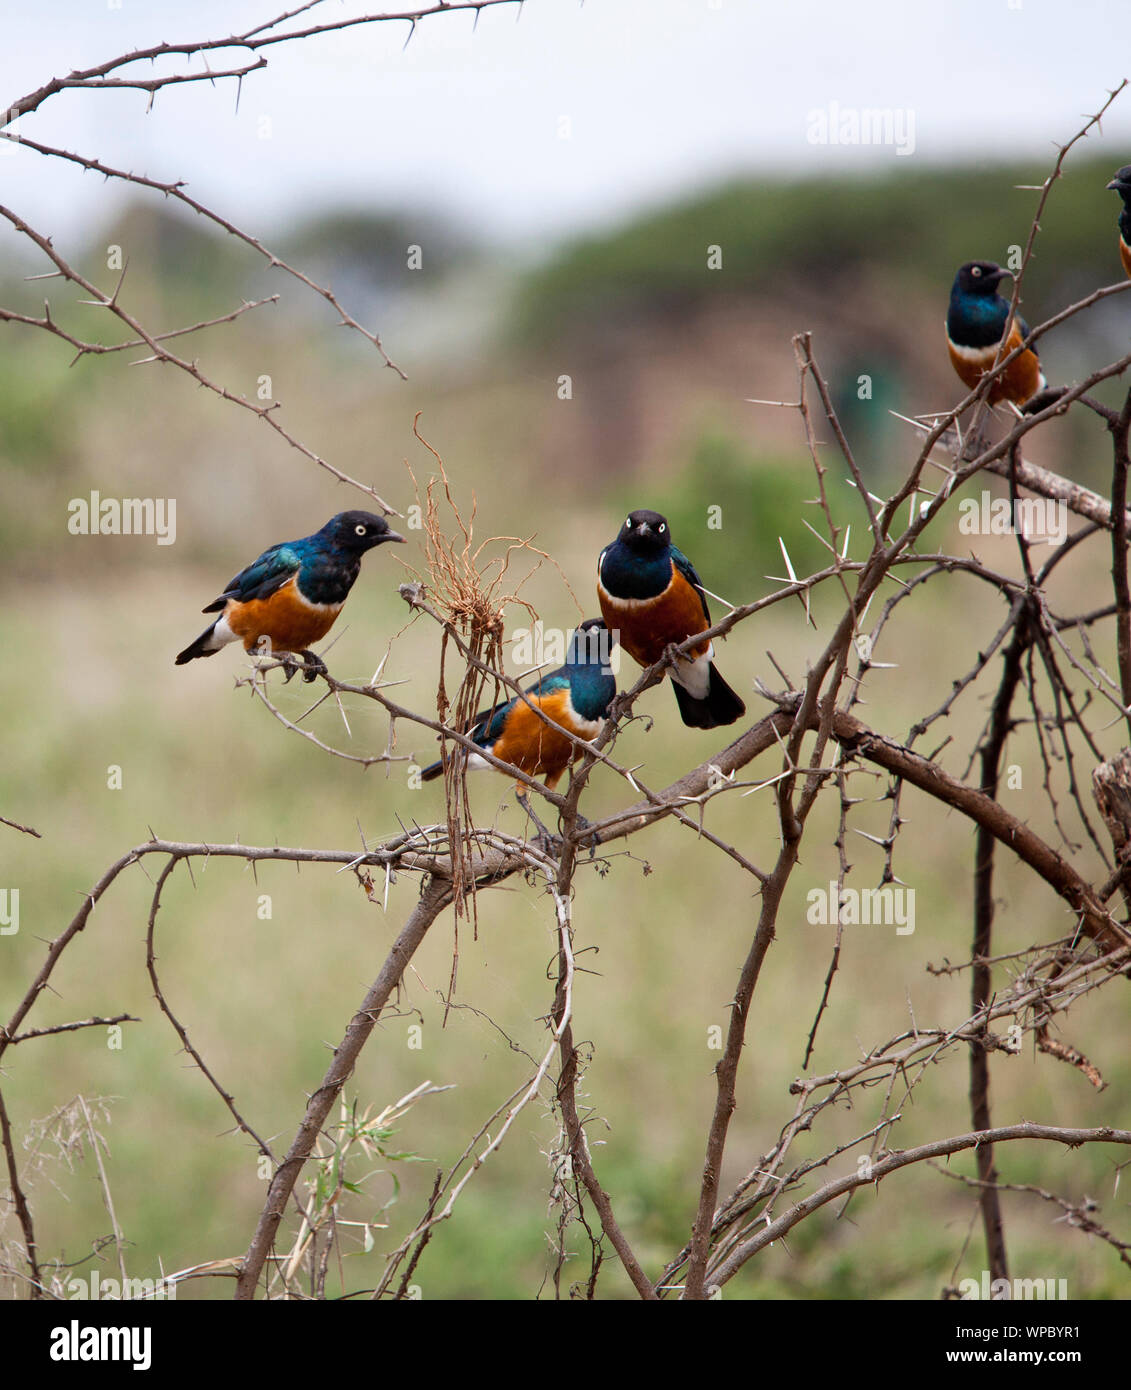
[{"x": 563, "y": 117}]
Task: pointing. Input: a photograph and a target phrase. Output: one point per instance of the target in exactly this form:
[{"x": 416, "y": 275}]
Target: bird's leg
[
  {"x": 976, "y": 439},
  {"x": 976, "y": 443},
  {"x": 618, "y": 706},
  {"x": 550, "y": 842},
  {"x": 583, "y": 840},
  {"x": 312, "y": 666},
  {"x": 673, "y": 655},
  {"x": 290, "y": 665}
]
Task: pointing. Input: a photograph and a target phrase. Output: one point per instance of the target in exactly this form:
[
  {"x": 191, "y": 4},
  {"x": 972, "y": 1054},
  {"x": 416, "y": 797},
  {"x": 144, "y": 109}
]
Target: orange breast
[
  {"x": 532, "y": 744},
  {"x": 285, "y": 618},
  {"x": 1020, "y": 380},
  {"x": 646, "y": 629},
  {"x": 1125, "y": 257}
]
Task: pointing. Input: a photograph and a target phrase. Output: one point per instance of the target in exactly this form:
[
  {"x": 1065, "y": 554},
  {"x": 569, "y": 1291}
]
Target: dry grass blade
[{"x": 471, "y": 588}]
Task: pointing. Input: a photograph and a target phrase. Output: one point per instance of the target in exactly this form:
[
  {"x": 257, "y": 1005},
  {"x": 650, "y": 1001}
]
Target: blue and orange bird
[
  {"x": 975, "y": 323},
  {"x": 291, "y": 595},
  {"x": 1121, "y": 184},
  {"x": 575, "y": 697},
  {"x": 651, "y": 595}
]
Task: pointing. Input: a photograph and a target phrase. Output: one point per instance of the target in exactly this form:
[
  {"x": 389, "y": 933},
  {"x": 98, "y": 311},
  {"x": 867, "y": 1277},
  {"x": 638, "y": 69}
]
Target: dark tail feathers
[
  {"x": 431, "y": 772},
  {"x": 1045, "y": 396},
  {"x": 720, "y": 705},
  {"x": 197, "y": 648}
]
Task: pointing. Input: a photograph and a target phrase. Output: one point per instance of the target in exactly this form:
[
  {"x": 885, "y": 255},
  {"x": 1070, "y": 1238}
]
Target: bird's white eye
[
  {"x": 628, "y": 522},
  {"x": 662, "y": 528},
  {"x": 359, "y": 530},
  {"x": 976, "y": 271}
]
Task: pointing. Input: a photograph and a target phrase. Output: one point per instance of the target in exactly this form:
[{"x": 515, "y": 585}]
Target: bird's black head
[
  {"x": 1121, "y": 184},
  {"x": 591, "y": 644},
  {"x": 646, "y": 533},
  {"x": 980, "y": 277},
  {"x": 591, "y": 647},
  {"x": 359, "y": 531}
]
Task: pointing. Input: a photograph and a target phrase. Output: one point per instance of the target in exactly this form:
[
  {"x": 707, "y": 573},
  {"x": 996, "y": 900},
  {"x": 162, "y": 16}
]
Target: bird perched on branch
[
  {"x": 651, "y": 595},
  {"x": 575, "y": 697},
  {"x": 290, "y": 596},
  {"x": 1121, "y": 184},
  {"x": 975, "y": 323}
]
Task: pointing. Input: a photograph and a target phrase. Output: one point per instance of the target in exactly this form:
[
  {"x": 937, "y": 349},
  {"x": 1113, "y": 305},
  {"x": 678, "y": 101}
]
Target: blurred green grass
[{"x": 659, "y": 942}]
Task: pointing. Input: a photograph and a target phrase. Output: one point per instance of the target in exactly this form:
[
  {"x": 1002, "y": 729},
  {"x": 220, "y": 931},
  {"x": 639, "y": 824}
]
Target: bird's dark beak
[
  {"x": 644, "y": 529},
  {"x": 1114, "y": 186},
  {"x": 393, "y": 536}
]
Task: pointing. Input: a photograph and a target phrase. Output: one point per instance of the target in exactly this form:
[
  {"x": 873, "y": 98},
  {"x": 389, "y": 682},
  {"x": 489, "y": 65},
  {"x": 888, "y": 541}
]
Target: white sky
[{"x": 662, "y": 96}]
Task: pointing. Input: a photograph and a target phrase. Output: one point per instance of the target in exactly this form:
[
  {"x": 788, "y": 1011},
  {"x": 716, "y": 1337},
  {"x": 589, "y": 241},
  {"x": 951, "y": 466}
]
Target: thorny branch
[{"x": 804, "y": 726}]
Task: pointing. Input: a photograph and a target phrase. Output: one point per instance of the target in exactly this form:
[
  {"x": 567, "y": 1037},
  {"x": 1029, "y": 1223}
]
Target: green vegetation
[{"x": 914, "y": 226}]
